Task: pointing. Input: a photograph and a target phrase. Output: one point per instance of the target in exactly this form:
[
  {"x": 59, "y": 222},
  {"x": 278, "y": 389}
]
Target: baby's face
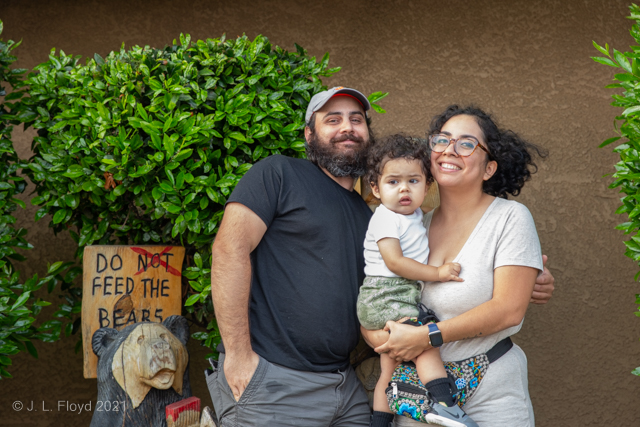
[{"x": 402, "y": 186}]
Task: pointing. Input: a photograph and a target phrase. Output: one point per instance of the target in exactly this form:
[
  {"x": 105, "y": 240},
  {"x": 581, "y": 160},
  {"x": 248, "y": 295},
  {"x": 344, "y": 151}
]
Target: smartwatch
[{"x": 435, "y": 336}]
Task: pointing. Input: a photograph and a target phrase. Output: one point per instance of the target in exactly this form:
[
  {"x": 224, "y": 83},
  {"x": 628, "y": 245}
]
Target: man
[{"x": 287, "y": 265}]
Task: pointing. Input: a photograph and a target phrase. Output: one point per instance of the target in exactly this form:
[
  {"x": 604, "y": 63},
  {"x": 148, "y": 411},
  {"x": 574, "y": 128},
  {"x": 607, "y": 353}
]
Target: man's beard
[{"x": 339, "y": 163}]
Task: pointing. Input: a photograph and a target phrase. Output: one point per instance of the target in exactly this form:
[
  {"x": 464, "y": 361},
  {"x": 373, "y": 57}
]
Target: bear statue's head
[{"x": 145, "y": 355}]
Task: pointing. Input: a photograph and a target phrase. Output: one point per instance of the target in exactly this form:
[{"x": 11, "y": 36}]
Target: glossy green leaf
[
  {"x": 378, "y": 109},
  {"x": 609, "y": 141},
  {"x": 601, "y": 49},
  {"x": 631, "y": 110},
  {"x": 197, "y": 259},
  {"x": 182, "y": 155},
  {"x": 141, "y": 111},
  {"x": 21, "y": 300},
  {"x": 192, "y": 300},
  {"x": 143, "y": 170},
  {"x": 622, "y": 60},
  {"x": 173, "y": 208},
  {"x": 119, "y": 190},
  {"x": 59, "y": 216},
  {"x": 605, "y": 61},
  {"x": 377, "y": 96},
  {"x": 170, "y": 175},
  {"x": 180, "y": 180},
  {"x": 237, "y": 135}
]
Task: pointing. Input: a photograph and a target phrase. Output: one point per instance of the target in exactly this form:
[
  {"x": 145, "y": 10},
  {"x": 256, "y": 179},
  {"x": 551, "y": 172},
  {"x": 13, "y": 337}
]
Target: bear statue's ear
[
  {"x": 179, "y": 327},
  {"x": 101, "y": 339}
]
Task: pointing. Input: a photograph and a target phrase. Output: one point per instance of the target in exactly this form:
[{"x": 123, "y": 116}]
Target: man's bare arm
[
  {"x": 240, "y": 232},
  {"x": 544, "y": 287}
]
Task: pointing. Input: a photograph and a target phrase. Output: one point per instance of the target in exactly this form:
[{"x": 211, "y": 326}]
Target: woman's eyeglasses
[{"x": 463, "y": 147}]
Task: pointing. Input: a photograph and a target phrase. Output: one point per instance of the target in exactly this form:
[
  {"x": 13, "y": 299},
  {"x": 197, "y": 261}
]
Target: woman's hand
[
  {"x": 544, "y": 286},
  {"x": 406, "y": 342}
]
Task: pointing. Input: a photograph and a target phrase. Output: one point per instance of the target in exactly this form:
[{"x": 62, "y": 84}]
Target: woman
[{"x": 476, "y": 165}]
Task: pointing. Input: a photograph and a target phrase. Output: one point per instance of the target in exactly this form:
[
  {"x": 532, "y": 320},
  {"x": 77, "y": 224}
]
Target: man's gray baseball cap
[{"x": 319, "y": 99}]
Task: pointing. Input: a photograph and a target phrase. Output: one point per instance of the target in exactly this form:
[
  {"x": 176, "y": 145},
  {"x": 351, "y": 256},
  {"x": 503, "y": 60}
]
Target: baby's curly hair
[
  {"x": 511, "y": 152},
  {"x": 395, "y": 147}
]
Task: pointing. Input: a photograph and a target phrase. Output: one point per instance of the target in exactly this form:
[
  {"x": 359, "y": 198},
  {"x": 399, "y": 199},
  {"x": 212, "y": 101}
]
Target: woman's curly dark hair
[
  {"x": 395, "y": 147},
  {"x": 512, "y": 153}
]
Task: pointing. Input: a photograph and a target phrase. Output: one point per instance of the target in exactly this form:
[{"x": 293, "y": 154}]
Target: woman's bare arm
[{"x": 512, "y": 290}]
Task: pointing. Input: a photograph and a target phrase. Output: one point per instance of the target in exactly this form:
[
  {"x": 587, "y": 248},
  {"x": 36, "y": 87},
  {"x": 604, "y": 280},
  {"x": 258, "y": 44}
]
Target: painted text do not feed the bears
[{"x": 128, "y": 284}]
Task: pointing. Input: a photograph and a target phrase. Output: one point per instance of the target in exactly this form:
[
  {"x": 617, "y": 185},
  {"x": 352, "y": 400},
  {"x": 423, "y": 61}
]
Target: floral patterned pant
[{"x": 387, "y": 298}]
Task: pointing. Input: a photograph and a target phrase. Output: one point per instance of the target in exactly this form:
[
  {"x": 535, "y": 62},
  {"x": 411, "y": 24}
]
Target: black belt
[{"x": 498, "y": 350}]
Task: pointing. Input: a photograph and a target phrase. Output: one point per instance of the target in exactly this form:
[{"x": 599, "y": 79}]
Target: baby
[{"x": 396, "y": 251}]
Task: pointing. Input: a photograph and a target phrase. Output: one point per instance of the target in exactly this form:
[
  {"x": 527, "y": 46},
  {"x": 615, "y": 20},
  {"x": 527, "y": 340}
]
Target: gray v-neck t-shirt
[{"x": 505, "y": 235}]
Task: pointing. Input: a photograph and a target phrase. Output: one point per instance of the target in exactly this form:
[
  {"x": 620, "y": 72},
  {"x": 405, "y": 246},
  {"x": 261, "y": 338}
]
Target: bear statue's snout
[{"x": 159, "y": 368}]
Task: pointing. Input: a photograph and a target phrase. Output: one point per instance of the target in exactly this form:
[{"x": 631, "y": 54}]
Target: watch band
[{"x": 435, "y": 336}]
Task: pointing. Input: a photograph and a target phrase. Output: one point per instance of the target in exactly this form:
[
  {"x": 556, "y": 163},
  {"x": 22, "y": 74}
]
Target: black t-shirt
[{"x": 308, "y": 267}]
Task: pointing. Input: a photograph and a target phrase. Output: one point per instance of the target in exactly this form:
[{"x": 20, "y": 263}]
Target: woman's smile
[{"x": 449, "y": 166}]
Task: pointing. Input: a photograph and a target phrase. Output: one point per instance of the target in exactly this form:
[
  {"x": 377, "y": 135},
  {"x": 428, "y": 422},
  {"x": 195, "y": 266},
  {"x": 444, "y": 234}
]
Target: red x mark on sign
[{"x": 148, "y": 254}]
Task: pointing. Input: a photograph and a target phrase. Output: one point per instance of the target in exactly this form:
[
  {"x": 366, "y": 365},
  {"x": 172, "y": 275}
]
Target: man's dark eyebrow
[{"x": 339, "y": 113}]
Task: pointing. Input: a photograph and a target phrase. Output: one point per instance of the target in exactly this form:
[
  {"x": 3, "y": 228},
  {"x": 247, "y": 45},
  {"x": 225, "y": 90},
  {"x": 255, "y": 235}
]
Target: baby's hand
[{"x": 449, "y": 272}]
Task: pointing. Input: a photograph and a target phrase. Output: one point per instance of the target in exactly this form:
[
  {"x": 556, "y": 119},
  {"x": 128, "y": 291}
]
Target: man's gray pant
[{"x": 279, "y": 396}]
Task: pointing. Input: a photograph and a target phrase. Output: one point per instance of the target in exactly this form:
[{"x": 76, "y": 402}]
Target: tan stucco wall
[{"x": 525, "y": 61}]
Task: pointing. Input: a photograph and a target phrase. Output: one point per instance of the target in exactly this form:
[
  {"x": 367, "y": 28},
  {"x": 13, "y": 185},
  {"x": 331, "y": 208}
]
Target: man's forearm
[
  {"x": 230, "y": 289},
  {"x": 240, "y": 233}
]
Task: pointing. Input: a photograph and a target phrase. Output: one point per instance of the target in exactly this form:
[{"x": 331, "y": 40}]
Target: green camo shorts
[{"x": 387, "y": 298}]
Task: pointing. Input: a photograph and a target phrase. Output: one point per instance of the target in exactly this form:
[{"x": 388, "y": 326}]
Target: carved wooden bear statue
[{"x": 141, "y": 369}]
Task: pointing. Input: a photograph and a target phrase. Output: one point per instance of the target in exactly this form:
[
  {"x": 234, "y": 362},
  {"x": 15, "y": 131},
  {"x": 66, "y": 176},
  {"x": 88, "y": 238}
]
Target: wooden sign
[{"x": 123, "y": 285}]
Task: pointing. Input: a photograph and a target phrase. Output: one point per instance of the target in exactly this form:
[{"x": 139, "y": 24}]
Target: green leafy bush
[
  {"x": 145, "y": 145},
  {"x": 627, "y": 124},
  {"x": 18, "y": 305},
  {"x": 10, "y": 183}
]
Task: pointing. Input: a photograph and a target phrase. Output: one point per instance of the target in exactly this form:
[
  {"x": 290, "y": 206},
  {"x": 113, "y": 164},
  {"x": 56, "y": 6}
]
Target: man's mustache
[{"x": 349, "y": 136}]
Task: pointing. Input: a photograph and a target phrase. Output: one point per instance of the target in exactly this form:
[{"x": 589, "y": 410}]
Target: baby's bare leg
[
  {"x": 434, "y": 377},
  {"x": 429, "y": 365},
  {"x": 387, "y": 366}
]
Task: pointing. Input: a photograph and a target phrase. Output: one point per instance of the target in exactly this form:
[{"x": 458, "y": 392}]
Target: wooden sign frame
[{"x": 123, "y": 285}]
